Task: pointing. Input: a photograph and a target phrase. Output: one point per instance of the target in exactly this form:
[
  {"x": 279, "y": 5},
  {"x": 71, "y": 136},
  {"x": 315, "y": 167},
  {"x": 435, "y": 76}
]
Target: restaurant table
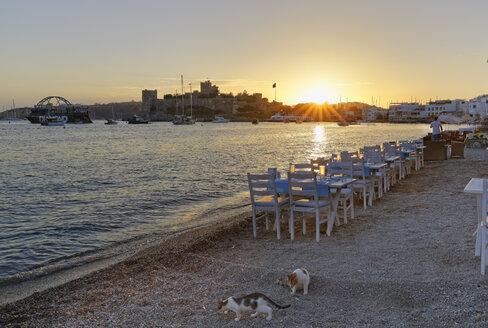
[{"x": 474, "y": 186}]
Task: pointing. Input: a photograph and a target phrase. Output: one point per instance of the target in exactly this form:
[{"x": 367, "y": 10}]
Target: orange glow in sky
[{"x": 316, "y": 51}]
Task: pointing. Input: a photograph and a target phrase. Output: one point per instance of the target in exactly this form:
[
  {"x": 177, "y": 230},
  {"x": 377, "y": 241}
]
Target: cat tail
[{"x": 277, "y": 305}]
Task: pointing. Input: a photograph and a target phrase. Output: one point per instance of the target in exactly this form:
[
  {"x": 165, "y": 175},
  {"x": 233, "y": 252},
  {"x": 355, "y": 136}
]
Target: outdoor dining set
[{"x": 328, "y": 187}]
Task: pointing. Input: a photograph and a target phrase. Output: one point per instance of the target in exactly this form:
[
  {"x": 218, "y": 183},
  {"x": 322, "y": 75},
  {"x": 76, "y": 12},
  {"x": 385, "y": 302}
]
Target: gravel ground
[{"x": 408, "y": 261}]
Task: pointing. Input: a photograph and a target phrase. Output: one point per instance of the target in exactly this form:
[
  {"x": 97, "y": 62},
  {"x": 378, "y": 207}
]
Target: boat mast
[
  {"x": 176, "y": 101},
  {"x": 182, "y": 98},
  {"x": 191, "y": 101}
]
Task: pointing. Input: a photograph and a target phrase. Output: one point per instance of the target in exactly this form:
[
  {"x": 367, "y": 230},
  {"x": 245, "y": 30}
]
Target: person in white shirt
[{"x": 436, "y": 129}]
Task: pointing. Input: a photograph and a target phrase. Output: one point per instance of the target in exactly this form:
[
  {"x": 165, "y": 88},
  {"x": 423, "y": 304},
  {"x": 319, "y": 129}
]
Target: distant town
[{"x": 208, "y": 102}]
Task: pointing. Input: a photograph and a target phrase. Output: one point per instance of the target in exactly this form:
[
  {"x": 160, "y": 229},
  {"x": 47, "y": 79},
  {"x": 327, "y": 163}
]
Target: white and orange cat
[
  {"x": 299, "y": 279},
  {"x": 253, "y": 302}
]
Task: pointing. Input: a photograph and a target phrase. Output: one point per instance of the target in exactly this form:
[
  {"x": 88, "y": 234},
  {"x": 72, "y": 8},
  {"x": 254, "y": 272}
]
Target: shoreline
[
  {"x": 407, "y": 261},
  {"x": 24, "y": 285}
]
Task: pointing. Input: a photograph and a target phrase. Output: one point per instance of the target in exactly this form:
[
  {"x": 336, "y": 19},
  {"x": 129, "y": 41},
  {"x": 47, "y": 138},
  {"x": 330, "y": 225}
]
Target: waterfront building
[
  {"x": 149, "y": 98},
  {"x": 449, "y": 107},
  {"x": 374, "y": 113},
  {"x": 478, "y": 107},
  {"x": 405, "y": 111},
  {"x": 208, "y": 90}
]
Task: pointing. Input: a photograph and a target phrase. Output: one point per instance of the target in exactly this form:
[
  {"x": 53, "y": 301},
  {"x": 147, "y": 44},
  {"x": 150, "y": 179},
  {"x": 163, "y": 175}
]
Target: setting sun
[{"x": 318, "y": 94}]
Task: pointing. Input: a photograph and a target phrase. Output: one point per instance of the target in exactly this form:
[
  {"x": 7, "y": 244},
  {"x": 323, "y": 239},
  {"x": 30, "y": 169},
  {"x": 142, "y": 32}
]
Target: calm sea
[{"x": 68, "y": 192}]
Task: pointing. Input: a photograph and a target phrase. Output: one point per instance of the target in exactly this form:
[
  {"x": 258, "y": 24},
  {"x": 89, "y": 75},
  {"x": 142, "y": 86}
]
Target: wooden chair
[
  {"x": 264, "y": 187},
  {"x": 381, "y": 178},
  {"x": 300, "y": 167},
  {"x": 362, "y": 185},
  {"x": 304, "y": 198},
  {"x": 346, "y": 198}
]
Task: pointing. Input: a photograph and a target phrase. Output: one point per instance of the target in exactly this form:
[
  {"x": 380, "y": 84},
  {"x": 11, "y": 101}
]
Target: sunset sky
[{"x": 106, "y": 50}]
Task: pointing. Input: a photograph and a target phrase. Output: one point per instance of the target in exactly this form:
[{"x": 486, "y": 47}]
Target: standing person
[{"x": 436, "y": 129}]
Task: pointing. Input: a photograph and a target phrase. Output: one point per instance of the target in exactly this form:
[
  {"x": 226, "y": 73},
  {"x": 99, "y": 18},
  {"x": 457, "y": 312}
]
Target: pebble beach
[{"x": 407, "y": 261}]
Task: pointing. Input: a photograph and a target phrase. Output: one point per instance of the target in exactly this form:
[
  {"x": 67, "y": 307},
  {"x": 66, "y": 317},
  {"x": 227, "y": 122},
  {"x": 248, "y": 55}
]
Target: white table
[{"x": 475, "y": 186}]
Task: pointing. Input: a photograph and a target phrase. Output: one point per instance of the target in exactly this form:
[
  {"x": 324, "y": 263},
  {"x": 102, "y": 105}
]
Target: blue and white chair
[
  {"x": 304, "y": 197},
  {"x": 264, "y": 197}
]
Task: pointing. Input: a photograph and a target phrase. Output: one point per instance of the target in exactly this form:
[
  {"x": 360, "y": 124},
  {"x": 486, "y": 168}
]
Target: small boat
[
  {"x": 52, "y": 121},
  {"x": 220, "y": 119},
  {"x": 342, "y": 123},
  {"x": 111, "y": 121},
  {"x": 137, "y": 120},
  {"x": 254, "y": 121},
  {"x": 183, "y": 120}
]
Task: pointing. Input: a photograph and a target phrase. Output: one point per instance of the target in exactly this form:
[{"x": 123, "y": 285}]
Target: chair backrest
[
  {"x": 301, "y": 167},
  {"x": 342, "y": 169},
  {"x": 303, "y": 184},
  {"x": 374, "y": 157},
  {"x": 372, "y": 148},
  {"x": 358, "y": 168},
  {"x": 262, "y": 185},
  {"x": 274, "y": 171}
]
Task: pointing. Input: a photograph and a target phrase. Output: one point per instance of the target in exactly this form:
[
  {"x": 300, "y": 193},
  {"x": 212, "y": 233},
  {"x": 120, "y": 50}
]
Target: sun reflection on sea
[{"x": 319, "y": 141}]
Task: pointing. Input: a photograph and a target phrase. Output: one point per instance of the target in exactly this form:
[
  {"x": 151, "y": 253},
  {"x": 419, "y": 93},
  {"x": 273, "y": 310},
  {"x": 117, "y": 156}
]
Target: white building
[
  {"x": 449, "y": 107},
  {"x": 374, "y": 113},
  {"x": 478, "y": 107},
  {"x": 405, "y": 112}
]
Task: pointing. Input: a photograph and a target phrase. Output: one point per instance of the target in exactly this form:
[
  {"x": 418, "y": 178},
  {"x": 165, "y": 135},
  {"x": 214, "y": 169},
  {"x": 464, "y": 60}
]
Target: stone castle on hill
[{"x": 206, "y": 103}]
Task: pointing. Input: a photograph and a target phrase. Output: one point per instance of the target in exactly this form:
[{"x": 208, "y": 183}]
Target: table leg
[
  {"x": 477, "y": 251},
  {"x": 334, "y": 202}
]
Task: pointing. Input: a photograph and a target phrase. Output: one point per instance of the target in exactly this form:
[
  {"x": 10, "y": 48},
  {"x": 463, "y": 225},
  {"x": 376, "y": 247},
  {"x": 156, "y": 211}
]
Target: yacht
[
  {"x": 183, "y": 120},
  {"x": 281, "y": 117},
  {"x": 137, "y": 120},
  {"x": 220, "y": 119},
  {"x": 52, "y": 121}
]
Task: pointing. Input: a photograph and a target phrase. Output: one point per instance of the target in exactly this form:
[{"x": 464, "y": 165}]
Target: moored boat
[
  {"x": 137, "y": 120},
  {"x": 52, "y": 121},
  {"x": 220, "y": 119}
]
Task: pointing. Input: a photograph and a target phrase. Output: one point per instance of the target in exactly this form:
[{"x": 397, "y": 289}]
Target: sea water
[{"x": 68, "y": 192}]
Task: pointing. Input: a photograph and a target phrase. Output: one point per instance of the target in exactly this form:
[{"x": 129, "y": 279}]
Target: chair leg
[
  {"x": 317, "y": 225},
  {"x": 254, "y": 222},
  {"x": 483, "y": 249},
  {"x": 292, "y": 225},
  {"x": 352, "y": 207},
  {"x": 277, "y": 221},
  {"x": 365, "y": 196},
  {"x": 267, "y": 225}
]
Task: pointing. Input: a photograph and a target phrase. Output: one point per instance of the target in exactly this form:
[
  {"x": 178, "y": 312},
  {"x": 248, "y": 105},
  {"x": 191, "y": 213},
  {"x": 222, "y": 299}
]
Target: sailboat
[
  {"x": 183, "y": 119},
  {"x": 111, "y": 121}
]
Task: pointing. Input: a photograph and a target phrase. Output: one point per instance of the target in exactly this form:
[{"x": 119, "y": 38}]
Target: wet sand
[{"x": 408, "y": 261}]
